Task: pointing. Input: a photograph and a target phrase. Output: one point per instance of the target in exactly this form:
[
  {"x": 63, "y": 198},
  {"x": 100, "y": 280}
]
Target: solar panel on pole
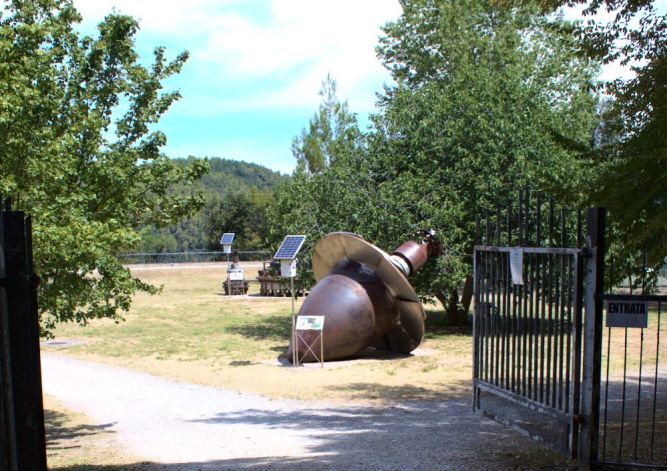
[
  {"x": 227, "y": 238},
  {"x": 290, "y": 247}
]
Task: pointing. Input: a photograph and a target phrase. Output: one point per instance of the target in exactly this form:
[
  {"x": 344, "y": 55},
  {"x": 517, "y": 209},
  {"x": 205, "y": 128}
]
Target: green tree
[
  {"x": 488, "y": 100},
  {"x": 332, "y": 133},
  {"x": 238, "y": 210},
  {"x": 625, "y": 179},
  {"x": 329, "y": 190},
  {"x": 79, "y": 155}
]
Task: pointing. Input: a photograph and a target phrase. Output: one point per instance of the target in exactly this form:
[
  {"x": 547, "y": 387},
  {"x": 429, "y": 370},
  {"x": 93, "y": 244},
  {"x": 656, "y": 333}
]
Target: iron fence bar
[
  {"x": 497, "y": 224},
  {"x": 506, "y": 321},
  {"x": 515, "y": 354},
  {"x": 477, "y": 230},
  {"x": 625, "y": 365},
  {"x": 488, "y": 228},
  {"x": 475, "y": 325},
  {"x": 538, "y": 230},
  {"x": 540, "y": 250},
  {"x": 561, "y": 334},
  {"x": 655, "y": 383},
  {"x": 494, "y": 345},
  {"x": 542, "y": 327},
  {"x": 531, "y": 323},
  {"x": 507, "y": 303},
  {"x": 527, "y": 218},
  {"x": 493, "y": 321},
  {"x": 606, "y": 396},
  {"x": 535, "y": 305},
  {"x": 499, "y": 341},
  {"x": 490, "y": 314},
  {"x": 520, "y": 218},
  {"x": 524, "y": 326},
  {"x": 639, "y": 392},
  {"x": 551, "y": 222},
  {"x": 556, "y": 325},
  {"x": 568, "y": 332},
  {"x": 576, "y": 357},
  {"x": 549, "y": 313},
  {"x": 480, "y": 308}
]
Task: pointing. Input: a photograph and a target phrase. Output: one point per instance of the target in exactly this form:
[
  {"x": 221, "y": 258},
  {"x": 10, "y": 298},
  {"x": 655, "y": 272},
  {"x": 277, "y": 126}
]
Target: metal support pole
[
  {"x": 295, "y": 350},
  {"x": 229, "y": 283},
  {"x": 593, "y": 291}
]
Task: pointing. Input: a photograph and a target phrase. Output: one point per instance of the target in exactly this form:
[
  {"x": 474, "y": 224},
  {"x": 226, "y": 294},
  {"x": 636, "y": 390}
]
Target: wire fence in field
[{"x": 193, "y": 257}]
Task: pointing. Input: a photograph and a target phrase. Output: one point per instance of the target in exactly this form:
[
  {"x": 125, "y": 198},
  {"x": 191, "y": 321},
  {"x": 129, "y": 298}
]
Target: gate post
[
  {"x": 24, "y": 437},
  {"x": 592, "y": 361}
]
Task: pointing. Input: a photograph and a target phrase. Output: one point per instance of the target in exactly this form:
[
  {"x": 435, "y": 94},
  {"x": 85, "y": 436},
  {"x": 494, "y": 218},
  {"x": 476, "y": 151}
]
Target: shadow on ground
[
  {"x": 436, "y": 325},
  {"x": 60, "y": 435},
  {"x": 268, "y": 328},
  {"x": 419, "y": 435}
]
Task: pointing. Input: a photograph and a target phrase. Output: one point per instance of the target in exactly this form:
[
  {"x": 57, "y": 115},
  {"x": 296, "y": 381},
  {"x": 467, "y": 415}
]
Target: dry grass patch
[{"x": 192, "y": 332}]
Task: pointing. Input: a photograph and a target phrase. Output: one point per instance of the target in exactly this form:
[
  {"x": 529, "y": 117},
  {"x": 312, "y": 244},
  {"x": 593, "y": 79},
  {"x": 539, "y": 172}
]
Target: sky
[{"x": 256, "y": 66}]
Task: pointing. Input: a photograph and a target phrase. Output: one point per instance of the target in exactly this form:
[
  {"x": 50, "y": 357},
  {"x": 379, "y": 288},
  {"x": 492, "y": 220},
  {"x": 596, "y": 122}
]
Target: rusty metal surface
[
  {"x": 413, "y": 253},
  {"x": 365, "y": 298},
  {"x": 356, "y": 307}
]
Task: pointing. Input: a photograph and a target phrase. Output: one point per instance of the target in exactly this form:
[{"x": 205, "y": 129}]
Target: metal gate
[
  {"x": 527, "y": 324},
  {"x": 544, "y": 363}
]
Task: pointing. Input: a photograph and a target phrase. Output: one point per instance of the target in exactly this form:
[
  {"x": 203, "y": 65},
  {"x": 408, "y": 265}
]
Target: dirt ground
[{"x": 138, "y": 421}]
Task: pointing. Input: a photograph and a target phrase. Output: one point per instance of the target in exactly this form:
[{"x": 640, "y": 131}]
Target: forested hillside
[{"x": 236, "y": 194}]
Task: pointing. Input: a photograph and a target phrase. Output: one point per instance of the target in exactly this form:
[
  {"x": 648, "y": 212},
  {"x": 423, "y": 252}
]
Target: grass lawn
[{"x": 192, "y": 332}]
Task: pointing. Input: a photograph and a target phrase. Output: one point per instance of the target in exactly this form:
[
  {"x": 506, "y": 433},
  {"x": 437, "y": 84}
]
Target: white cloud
[{"x": 286, "y": 46}]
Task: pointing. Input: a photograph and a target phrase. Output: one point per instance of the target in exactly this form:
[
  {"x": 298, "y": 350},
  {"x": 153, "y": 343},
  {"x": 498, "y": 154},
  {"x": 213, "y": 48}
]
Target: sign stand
[{"x": 309, "y": 323}]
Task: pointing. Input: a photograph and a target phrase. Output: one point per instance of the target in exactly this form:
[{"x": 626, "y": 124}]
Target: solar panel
[
  {"x": 290, "y": 247},
  {"x": 227, "y": 238}
]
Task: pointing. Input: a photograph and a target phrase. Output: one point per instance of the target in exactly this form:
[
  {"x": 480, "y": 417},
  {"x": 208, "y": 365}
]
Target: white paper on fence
[{"x": 516, "y": 266}]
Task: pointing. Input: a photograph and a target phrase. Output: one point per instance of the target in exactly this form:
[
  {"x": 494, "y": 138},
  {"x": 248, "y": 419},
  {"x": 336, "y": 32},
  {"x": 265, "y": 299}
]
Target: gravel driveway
[{"x": 190, "y": 427}]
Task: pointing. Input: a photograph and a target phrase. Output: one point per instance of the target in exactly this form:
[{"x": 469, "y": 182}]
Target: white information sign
[
  {"x": 309, "y": 322},
  {"x": 627, "y": 314},
  {"x": 516, "y": 266}
]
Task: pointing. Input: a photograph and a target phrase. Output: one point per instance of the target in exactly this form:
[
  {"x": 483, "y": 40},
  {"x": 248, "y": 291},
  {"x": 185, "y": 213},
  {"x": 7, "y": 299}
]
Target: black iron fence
[
  {"x": 528, "y": 319},
  {"x": 548, "y": 359},
  {"x": 22, "y": 438},
  {"x": 632, "y": 428}
]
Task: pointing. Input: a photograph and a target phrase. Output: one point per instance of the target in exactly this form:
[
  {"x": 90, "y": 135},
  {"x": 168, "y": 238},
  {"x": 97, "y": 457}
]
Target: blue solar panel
[
  {"x": 227, "y": 238},
  {"x": 290, "y": 247}
]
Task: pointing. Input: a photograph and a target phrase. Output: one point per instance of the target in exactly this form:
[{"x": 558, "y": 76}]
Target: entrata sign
[{"x": 627, "y": 314}]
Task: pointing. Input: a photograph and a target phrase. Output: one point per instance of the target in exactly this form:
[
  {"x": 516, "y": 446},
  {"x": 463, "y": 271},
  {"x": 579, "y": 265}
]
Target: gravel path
[{"x": 188, "y": 427}]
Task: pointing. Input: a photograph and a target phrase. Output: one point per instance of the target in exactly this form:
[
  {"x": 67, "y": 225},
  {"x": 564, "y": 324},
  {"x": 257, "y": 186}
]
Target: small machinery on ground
[
  {"x": 235, "y": 284},
  {"x": 271, "y": 283}
]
